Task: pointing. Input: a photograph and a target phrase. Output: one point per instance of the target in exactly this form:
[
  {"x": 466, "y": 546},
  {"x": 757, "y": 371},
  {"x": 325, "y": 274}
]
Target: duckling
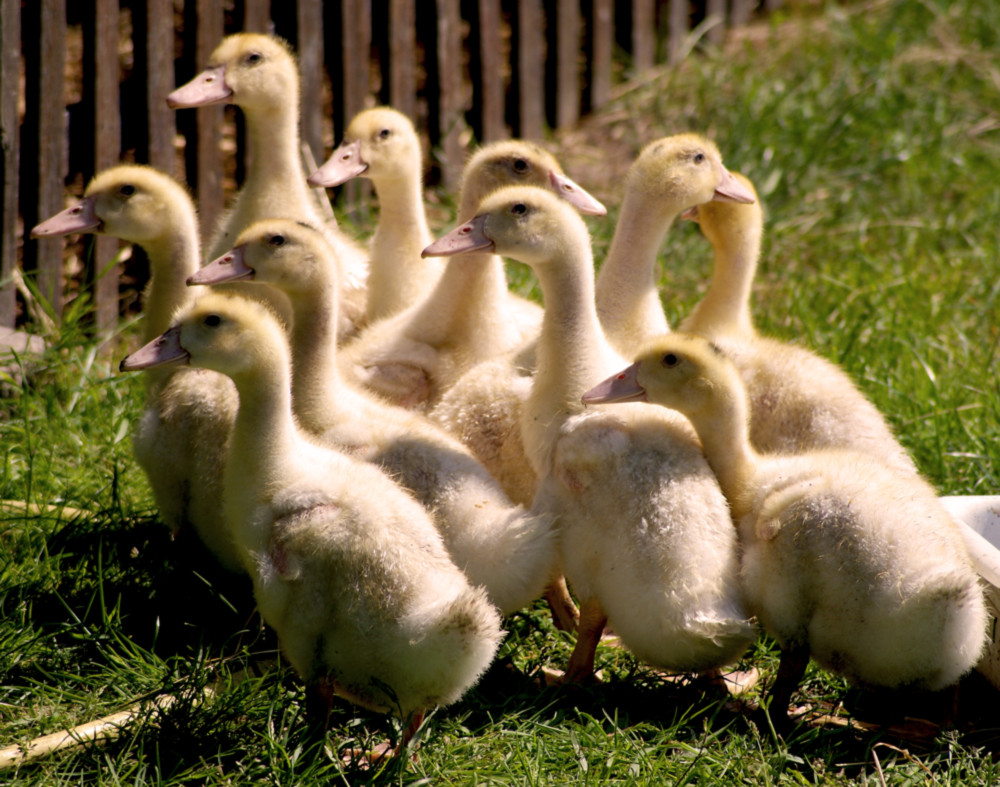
[
  {"x": 845, "y": 558},
  {"x": 669, "y": 176},
  {"x": 347, "y": 568},
  {"x": 381, "y": 144},
  {"x": 645, "y": 536},
  {"x": 470, "y": 317},
  {"x": 798, "y": 400},
  {"x": 258, "y": 73},
  {"x": 499, "y": 545},
  {"x": 181, "y": 437}
]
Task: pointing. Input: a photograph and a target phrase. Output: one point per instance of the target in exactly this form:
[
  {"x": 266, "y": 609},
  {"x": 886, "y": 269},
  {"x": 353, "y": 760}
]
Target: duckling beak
[
  {"x": 208, "y": 88},
  {"x": 691, "y": 214},
  {"x": 471, "y": 236},
  {"x": 76, "y": 218},
  {"x": 344, "y": 163},
  {"x": 163, "y": 350},
  {"x": 621, "y": 387},
  {"x": 576, "y": 196},
  {"x": 731, "y": 190},
  {"x": 231, "y": 266}
]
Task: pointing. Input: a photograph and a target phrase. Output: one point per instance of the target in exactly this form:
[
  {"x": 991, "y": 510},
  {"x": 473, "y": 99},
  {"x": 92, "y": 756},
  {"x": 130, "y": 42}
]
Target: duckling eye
[
  {"x": 385, "y": 133},
  {"x": 277, "y": 240},
  {"x": 212, "y": 320},
  {"x": 670, "y": 360},
  {"x": 254, "y": 58},
  {"x": 520, "y": 166},
  {"x": 699, "y": 157},
  {"x": 519, "y": 209},
  {"x": 127, "y": 190}
]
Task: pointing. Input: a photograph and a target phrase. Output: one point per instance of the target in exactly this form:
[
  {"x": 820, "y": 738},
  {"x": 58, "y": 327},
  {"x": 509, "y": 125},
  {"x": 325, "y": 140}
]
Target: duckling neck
[
  {"x": 723, "y": 429},
  {"x": 276, "y": 175},
  {"x": 628, "y": 301},
  {"x": 725, "y": 308},
  {"x": 469, "y": 304},
  {"x": 172, "y": 258},
  {"x": 398, "y": 277},
  {"x": 573, "y": 352},
  {"x": 264, "y": 434},
  {"x": 315, "y": 377}
]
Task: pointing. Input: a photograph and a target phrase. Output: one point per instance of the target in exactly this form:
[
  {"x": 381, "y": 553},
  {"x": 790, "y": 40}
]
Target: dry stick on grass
[{"x": 107, "y": 728}]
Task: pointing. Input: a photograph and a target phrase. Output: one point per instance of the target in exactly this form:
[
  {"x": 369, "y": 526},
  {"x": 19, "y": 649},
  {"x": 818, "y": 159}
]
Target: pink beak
[
  {"x": 231, "y": 266},
  {"x": 576, "y": 196},
  {"x": 471, "y": 236},
  {"x": 731, "y": 190},
  {"x": 163, "y": 350},
  {"x": 621, "y": 387},
  {"x": 344, "y": 163},
  {"x": 208, "y": 88},
  {"x": 76, "y": 218}
]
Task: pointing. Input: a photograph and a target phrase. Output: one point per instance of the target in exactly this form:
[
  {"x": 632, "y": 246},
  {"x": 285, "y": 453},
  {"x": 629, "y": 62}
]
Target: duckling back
[{"x": 864, "y": 566}]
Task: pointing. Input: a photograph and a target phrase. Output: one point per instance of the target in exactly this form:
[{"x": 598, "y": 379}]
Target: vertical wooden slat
[
  {"x": 603, "y": 25},
  {"x": 357, "y": 16},
  {"x": 531, "y": 68},
  {"x": 10, "y": 47},
  {"x": 52, "y": 145},
  {"x": 568, "y": 62},
  {"x": 310, "y": 52},
  {"x": 717, "y": 9},
  {"x": 741, "y": 12},
  {"x": 403, "y": 56},
  {"x": 159, "y": 82},
  {"x": 643, "y": 35},
  {"x": 257, "y": 16},
  {"x": 492, "y": 77},
  {"x": 209, "y": 122},
  {"x": 107, "y": 149},
  {"x": 677, "y": 35},
  {"x": 452, "y": 106}
]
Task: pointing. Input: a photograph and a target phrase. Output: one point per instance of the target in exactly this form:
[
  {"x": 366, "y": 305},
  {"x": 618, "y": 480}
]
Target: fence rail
[{"x": 92, "y": 77}]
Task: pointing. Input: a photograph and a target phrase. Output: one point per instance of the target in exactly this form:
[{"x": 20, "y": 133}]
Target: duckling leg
[
  {"x": 581, "y": 663},
  {"x": 791, "y": 669},
  {"x": 565, "y": 615}
]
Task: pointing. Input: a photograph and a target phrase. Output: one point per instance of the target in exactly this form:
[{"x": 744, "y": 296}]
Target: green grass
[{"x": 873, "y": 133}]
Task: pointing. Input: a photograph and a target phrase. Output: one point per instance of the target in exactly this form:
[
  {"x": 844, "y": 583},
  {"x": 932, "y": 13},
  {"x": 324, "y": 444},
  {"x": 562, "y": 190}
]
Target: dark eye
[
  {"x": 385, "y": 133},
  {"x": 127, "y": 190},
  {"x": 520, "y": 166},
  {"x": 276, "y": 240},
  {"x": 254, "y": 58},
  {"x": 519, "y": 209},
  {"x": 212, "y": 320},
  {"x": 670, "y": 360},
  {"x": 699, "y": 157}
]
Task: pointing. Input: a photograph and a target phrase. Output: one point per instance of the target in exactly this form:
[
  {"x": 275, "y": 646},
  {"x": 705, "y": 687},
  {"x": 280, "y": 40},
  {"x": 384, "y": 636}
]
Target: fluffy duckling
[
  {"x": 382, "y": 145},
  {"x": 470, "y": 317},
  {"x": 844, "y": 557},
  {"x": 347, "y": 568},
  {"x": 646, "y": 541},
  {"x": 180, "y": 440},
  {"x": 500, "y": 546},
  {"x": 669, "y": 176},
  {"x": 799, "y": 401},
  {"x": 258, "y": 73}
]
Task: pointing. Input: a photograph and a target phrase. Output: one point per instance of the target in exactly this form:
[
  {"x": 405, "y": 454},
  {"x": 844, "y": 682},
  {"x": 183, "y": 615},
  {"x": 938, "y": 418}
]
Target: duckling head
[
  {"x": 223, "y": 332},
  {"x": 681, "y": 171},
  {"x": 251, "y": 70},
  {"x": 682, "y": 372},
  {"x": 520, "y": 163},
  {"x": 526, "y": 223},
  {"x": 136, "y": 203},
  {"x": 379, "y": 143},
  {"x": 724, "y": 221}
]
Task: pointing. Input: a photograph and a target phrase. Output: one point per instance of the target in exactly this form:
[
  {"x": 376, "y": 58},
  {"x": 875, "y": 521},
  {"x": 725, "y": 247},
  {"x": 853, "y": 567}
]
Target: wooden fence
[{"x": 92, "y": 77}]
